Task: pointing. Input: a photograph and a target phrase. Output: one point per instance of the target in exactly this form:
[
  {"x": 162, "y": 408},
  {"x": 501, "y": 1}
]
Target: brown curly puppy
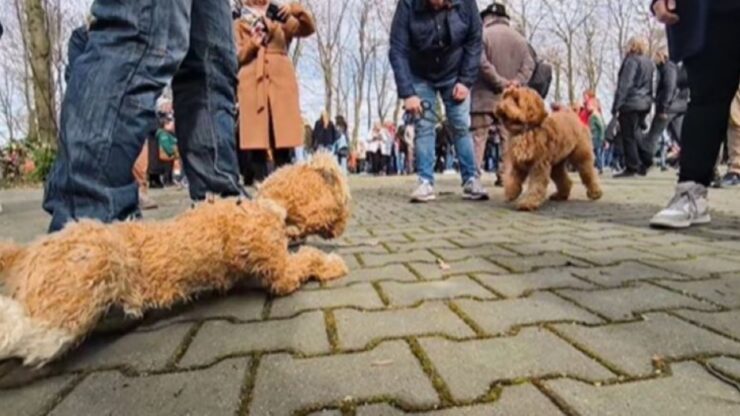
[
  {"x": 57, "y": 288},
  {"x": 540, "y": 146}
]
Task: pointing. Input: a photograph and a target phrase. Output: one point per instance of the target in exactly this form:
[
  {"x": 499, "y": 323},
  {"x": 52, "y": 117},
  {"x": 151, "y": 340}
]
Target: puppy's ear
[{"x": 535, "y": 107}]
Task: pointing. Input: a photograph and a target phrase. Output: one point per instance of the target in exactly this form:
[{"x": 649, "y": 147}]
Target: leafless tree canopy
[{"x": 343, "y": 69}]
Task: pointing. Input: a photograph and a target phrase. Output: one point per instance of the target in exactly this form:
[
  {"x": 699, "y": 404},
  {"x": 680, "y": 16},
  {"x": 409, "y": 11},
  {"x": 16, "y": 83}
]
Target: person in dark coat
[
  {"x": 704, "y": 35},
  {"x": 324, "y": 133},
  {"x": 671, "y": 101},
  {"x": 632, "y": 103}
]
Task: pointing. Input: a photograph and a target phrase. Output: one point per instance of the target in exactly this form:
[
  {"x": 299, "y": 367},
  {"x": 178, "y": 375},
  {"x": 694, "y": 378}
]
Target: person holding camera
[{"x": 270, "y": 120}]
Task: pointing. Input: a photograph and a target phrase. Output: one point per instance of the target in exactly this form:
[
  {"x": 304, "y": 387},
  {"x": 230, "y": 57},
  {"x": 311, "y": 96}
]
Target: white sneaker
[
  {"x": 474, "y": 190},
  {"x": 423, "y": 193},
  {"x": 688, "y": 207}
]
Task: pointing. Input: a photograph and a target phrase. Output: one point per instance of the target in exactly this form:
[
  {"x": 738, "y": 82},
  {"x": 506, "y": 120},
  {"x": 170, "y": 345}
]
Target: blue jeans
[
  {"x": 136, "y": 47},
  {"x": 458, "y": 115}
]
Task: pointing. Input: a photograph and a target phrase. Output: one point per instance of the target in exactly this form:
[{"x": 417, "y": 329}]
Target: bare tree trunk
[{"x": 39, "y": 46}]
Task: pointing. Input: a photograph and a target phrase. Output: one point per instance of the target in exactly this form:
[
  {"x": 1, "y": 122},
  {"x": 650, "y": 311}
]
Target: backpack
[{"x": 541, "y": 76}]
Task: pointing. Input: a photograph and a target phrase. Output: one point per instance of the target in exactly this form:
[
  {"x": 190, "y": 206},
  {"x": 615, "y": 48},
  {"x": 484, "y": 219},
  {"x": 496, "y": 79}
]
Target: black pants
[
  {"x": 713, "y": 78},
  {"x": 636, "y": 157}
]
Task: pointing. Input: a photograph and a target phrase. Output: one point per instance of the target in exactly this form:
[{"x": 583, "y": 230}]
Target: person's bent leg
[
  {"x": 204, "y": 89},
  {"x": 108, "y": 110},
  {"x": 458, "y": 115}
]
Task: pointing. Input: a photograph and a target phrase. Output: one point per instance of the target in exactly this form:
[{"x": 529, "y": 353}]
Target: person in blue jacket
[
  {"x": 704, "y": 35},
  {"x": 435, "y": 49}
]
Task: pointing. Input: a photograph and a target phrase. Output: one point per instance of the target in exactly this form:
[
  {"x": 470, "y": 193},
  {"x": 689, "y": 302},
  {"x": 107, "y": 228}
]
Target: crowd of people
[{"x": 229, "y": 72}]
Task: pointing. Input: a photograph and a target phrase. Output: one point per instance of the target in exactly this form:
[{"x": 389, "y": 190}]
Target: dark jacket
[
  {"x": 442, "y": 47},
  {"x": 673, "y": 89},
  {"x": 635, "y": 87},
  {"x": 686, "y": 38},
  {"x": 324, "y": 137},
  {"x": 75, "y": 47}
]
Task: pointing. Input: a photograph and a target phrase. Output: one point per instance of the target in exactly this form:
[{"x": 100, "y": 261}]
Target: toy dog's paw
[{"x": 333, "y": 269}]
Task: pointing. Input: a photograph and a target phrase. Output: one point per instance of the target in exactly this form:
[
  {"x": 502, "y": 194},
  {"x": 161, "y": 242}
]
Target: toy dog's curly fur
[
  {"x": 58, "y": 288},
  {"x": 540, "y": 147}
]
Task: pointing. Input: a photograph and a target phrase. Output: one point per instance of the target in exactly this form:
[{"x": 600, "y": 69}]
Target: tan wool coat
[{"x": 268, "y": 85}]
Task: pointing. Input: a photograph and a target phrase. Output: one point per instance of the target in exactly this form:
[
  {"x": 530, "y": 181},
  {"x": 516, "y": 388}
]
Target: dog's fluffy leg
[
  {"x": 23, "y": 337},
  {"x": 308, "y": 263},
  {"x": 536, "y": 194},
  {"x": 513, "y": 181},
  {"x": 563, "y": 183},
  {"x": 583, "y": 160}
]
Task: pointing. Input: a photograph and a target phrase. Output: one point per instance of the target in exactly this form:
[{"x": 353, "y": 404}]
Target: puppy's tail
[{"x": 9, "y": 253}]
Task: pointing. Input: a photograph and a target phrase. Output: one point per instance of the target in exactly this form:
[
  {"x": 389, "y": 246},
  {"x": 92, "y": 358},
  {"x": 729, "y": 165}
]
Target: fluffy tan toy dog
[
  {"x": 539, "y": 147},
  {"x": 58, "y": 287}
]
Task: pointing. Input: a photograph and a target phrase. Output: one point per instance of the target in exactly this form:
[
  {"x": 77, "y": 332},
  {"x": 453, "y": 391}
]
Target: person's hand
[
  {"x": 284, "y": 12},
  {"x": 413, "y": 105},
  {"x": 460, "y": 92},
  {"x": 665, "y": 11},
  {"x": 258, "y": 37},
  {"x": 663, "y": 116}
]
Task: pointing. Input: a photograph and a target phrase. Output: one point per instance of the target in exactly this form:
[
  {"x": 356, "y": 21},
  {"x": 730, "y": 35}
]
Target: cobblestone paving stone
[
  {"x": 214, "y": 392},
  {"x": 357, "y": 328},
  {"x": 690, "y": 390},
  {"x": 286, "y": 384},
  {"x": 724, "y": 290},
  {"x": 625, "y": 303},
  {"x": 469, "y": 368},
  {"x": 576, "y": 309},
  {"x": 407, "y": 294},
  {"x": 515, "y": 285},
  {"x": 218, "y": 339},
  {"x": 503, "y": 316},
  {"x": 516, "y": 400},
  {"x": 430, "y": 271},
  {"x": 634, "y": 347}
]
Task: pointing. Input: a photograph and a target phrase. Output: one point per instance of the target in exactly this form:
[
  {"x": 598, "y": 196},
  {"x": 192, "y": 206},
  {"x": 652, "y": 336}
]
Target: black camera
[{"x": 273, "y": 13}]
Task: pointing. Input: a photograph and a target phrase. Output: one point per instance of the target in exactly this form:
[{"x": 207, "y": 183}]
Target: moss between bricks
[{"x": 248, "y": 387}]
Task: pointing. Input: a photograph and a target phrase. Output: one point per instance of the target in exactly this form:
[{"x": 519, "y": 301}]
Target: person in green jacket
[
  {"x": 167, "y": 141},
  {"x": 598, "y": 130}
]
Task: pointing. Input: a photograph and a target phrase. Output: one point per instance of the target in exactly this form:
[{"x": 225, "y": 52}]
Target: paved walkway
[{"x": 452, "y": 308}]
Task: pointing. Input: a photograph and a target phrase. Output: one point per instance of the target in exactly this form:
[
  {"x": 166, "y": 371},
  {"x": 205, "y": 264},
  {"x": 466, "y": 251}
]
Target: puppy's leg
[
  {"x": 513, "y": 181},
  {"x": 583, "y": 159},
  {"x": 559, "y": 175},
  {"x": 292, "y": 270},
  {"x": 536, "y": 194}
]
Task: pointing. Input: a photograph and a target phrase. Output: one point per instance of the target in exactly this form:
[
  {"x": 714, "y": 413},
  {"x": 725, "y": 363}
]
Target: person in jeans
[
  {"x": 134, "y": 48},
  {"x": 632, "y": 103},
  {"x": 435, "y": 50},
  {"x": 702, "y": 34}
]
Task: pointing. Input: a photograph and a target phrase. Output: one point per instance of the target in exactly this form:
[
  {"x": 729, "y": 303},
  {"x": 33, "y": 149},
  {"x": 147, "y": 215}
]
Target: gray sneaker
[
  {"x": 146, "y": 202},
  {"x": 474, "y": 190},
  {"x": 423, "y": 193},
  {"x": 688, "y": 207}
]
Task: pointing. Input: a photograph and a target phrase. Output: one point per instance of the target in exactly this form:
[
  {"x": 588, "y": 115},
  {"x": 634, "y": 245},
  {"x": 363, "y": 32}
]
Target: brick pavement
[{"x": 452, "y": 308}]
